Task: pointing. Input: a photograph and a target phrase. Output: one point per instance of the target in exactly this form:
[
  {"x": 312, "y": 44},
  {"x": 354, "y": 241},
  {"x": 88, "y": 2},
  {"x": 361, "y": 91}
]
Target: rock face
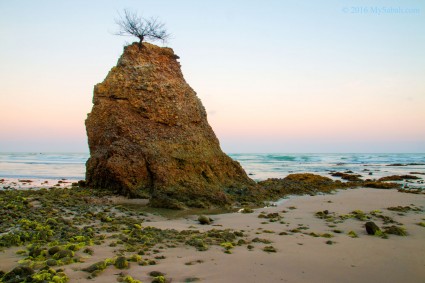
[{"x": 148, "y": 135}]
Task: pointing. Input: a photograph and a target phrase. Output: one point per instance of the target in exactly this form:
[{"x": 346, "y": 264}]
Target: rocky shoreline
[{"x": 76, "y": 234}]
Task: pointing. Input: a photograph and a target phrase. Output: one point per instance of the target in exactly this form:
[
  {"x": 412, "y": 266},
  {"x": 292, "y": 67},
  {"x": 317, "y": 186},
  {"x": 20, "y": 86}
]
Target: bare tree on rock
[{"x": 131, "y": 24}]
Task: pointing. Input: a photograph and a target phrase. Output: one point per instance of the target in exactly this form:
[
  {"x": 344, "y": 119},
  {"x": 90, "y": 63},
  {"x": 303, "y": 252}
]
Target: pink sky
[{"x": 281, "y": 77}]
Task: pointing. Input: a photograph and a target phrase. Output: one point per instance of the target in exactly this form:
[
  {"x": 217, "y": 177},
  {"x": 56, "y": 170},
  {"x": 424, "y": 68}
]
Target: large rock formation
[{"x": 148, "y": 135}]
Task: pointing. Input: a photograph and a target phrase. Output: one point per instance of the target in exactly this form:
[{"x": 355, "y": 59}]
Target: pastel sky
[{"x": 274, "y": 76}]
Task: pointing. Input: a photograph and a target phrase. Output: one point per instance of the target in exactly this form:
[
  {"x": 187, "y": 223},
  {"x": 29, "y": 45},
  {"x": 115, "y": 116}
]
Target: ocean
[
  {"x": 32, "y": 165},
  {"x": 71, "y": 166}
]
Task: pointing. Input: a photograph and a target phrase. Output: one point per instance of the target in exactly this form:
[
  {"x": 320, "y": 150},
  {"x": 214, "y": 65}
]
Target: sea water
[
  {"x": 71, "y": 166},
  {"x": 263, "y": 166}
]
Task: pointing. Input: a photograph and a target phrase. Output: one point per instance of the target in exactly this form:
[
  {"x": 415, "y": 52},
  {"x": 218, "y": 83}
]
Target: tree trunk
[{"x": 141, "y": 41}]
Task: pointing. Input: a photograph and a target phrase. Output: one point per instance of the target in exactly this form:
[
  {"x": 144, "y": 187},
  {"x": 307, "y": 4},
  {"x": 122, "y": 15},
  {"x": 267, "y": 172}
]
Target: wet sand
[
  {"x": 303, "y": 258},
  {"x": 28, "y": 184},
  {"x": 299, "y": 256}
]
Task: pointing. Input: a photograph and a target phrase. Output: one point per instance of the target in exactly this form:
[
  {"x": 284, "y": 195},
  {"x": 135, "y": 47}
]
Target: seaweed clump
[
  {"x": 18, "y": 274},
  {"x": 299, "y": 184},
  {"x": 348, "y": 176},
  {"x": 395, "y": 230},
  {"x": 404, "y": 208},
  {"x": 121, "y": 263},
  {"x": 398, "y": 178},
  {"x": 312, "y": 184},
  {"x": 56, "y": 227},
  {"x": 380, "y": 185}
]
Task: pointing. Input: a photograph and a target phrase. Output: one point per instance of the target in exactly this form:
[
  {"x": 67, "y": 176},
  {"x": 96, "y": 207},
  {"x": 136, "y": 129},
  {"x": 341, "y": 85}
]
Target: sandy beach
[
  {"x": 33, "y": 183},
  {"x": 228, "y": 141},
  {"x": 302, "y": 245},
  {"x": 301, "y": 257}
]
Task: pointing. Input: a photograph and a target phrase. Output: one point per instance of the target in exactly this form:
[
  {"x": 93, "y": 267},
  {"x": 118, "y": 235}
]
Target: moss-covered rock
[
  {"x": 398, "y": 178},
  {"x": 49, "y": 275},
  {"x": 63, "y": 254},
  {"x": 156, "y": 273},
  {"x": 18, "y": 274},
  {"x": 101, "y": 265},
  {"x": 347, "y": 176},
  {"x": 352, "y": 234},
  {"x": 121, "y": 263},
  {"x": 372, "y": 228},
  {"x": 269, "y": 249},
  {"x": 159, "y": 279},
  {"x": 54, "y": 250},
  {"x": 395, "y": 230},
  {"x": 51, "y": 262},
  {"x": 129, "y": 279},
  {"x": 406, "y": 208},
  {"x": 89, "y": 251},
  {"x": 298, "y": 184},
  {"x": 198, "y": 243},
  {"x": 380, "y": 185},
  {"x": 34, "y": 250},
  {"x": 360, "y": 215},
  {"x": 246, "y": 210},
  {"x": 204, "y": 220}
]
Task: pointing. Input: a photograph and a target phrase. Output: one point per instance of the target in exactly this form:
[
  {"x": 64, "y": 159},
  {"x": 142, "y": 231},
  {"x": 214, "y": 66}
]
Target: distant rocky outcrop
[{"x": 148, "y": 135}]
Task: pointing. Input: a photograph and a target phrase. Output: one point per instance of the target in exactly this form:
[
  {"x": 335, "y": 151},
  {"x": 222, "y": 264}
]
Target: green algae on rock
[
  {"x": 98, "y": 266},
  {"x": 352, "y": 234},
  {"x": 269, "y": 249},
  {"x": 18, "y": 274},
  {"x": 380, "y": 185},
  {"x": 74, "y": 219},
  {"x": 121, "y": 263},
  {"x": 298, "y": 184},
  {"x": 204, "y": 220},
  {"x": 129, "y": 279},
  {"x": 372, "y": 228},
  {"x": 404, "y": 208},
  {"x": 347, "y": 176},
  {"x": 246, "y": 210},
  {"x": 395, "y": 230},
  {"x": 398, "y": 178}
]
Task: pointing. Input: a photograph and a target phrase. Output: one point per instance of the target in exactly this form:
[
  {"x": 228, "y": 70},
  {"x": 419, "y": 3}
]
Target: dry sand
[{"x": 299, "y": 257}]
